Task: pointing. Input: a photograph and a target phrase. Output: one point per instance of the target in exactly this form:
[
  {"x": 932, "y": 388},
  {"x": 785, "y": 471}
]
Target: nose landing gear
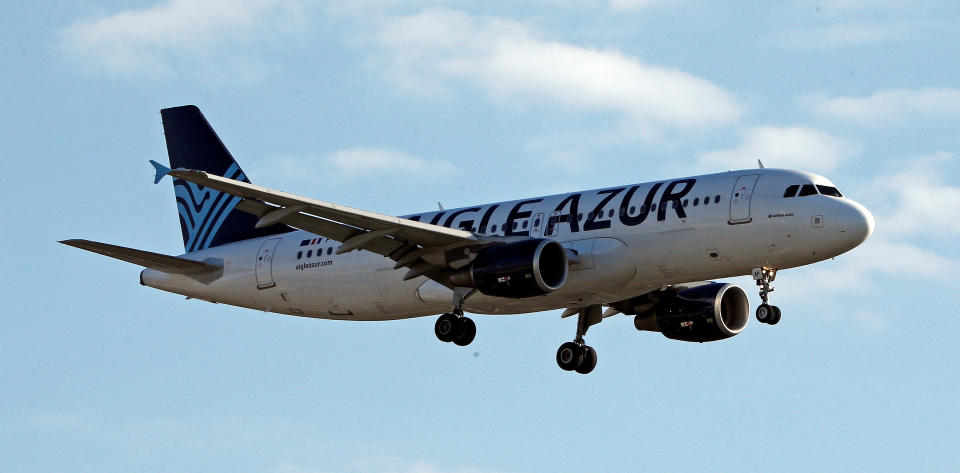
[{"x": 766, "y": 313}]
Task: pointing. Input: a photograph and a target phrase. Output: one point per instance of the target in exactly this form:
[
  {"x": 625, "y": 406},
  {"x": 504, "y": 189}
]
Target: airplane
[{"x": 649, "y": 250}]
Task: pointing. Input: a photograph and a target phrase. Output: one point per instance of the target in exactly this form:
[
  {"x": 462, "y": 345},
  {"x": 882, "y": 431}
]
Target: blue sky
[{"x": 392, "y": 106}]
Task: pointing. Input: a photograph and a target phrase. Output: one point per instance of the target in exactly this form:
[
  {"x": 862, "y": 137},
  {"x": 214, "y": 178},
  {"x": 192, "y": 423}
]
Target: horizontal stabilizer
[
  {"x": 161, "y": 171},
  {"x": 157, "y": 261}
]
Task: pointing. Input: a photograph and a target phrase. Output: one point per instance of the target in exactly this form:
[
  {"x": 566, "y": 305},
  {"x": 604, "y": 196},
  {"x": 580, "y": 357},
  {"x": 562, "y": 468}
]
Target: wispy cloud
[
  {"x": 919, "y": 201},
  {"x": 359, "y": 164},
  {"x": 849, "y": 34},
  {"x": 433, "y": 51},
  {"x": 891, "y": 106},
  {"x": 621, "y": 5},
  {"x": 210, "y": 40},
  {"x": 394, "y": 465},
  {"x": 783, "y": 147}
]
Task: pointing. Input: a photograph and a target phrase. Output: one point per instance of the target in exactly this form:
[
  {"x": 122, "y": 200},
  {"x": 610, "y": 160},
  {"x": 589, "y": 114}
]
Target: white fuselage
[{"x": 731, "y": 223}]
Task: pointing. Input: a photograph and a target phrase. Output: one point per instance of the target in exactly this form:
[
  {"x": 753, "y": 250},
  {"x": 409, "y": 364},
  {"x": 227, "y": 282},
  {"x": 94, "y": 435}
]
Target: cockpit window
[
  {"x": 807, "y": 189},
  {"x": 828, "y": 190},
  {"x": 791, "y": 191}
]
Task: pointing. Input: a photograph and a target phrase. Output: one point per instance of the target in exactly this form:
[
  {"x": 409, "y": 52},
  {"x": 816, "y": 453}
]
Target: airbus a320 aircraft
[{"x": 646, "y": 250}]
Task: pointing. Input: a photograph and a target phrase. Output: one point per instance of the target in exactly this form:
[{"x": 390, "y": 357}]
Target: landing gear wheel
[
  {"x": 589, "y": 360},
  {"x": 468, "y": 330},
  {"x": 765, "y": 313},
  {"x": 447, "y": 327},
  {"x": 570, "y": 356},
  {"x": 776, "y": 315}
]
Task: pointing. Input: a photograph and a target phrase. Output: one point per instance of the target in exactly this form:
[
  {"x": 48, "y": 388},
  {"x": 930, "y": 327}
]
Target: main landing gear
[
  {"x": 453, "y": 326},
  {"x": 577, "y": 355},
  {"x": 766, "y": 313}
]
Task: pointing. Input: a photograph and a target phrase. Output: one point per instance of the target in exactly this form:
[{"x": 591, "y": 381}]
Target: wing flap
[{"x": 157, "y": 261}]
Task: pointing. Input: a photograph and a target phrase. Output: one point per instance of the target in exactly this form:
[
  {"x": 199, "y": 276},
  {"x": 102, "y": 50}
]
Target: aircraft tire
[
  {"x": 467, "y": 333},
  {"x": 589, "y": 360},
  {"x": 776, "y": 315},
  {"x": 447, "y": 327},
  {"x": 764, "y": 313},
  {"x": 569, "y": 356}
]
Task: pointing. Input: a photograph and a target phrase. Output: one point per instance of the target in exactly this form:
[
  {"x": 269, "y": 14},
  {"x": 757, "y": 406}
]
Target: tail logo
[{"x": 203, "y": 210}]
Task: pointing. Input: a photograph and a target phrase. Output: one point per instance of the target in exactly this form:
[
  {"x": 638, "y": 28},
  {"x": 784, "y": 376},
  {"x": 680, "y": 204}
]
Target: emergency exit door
[{"x": 265, "y": 263}]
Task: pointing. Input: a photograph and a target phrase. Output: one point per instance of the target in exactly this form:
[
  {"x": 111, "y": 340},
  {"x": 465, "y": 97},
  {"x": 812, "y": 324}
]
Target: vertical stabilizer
[{"x": 207, "y": 217}]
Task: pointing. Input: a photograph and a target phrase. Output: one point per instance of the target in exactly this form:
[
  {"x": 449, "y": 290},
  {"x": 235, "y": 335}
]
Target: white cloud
[
  {"x": 210, "y": 39},
  {"x": 848, "y": 34},
  {"x": 432, "y": 51},
  {"x": 363, "y": 162},
  {"x": 620, "y": 5},
  {"x": 359, "y": 164},
  {"x": 855, "y": 5},
  {"x": 783, "y": 147},
  {"x": 890, "y": 106},
  {"x": 919, "y": 202}
]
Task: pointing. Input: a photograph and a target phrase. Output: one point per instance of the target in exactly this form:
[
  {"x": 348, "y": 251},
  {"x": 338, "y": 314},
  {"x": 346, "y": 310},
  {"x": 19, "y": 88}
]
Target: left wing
[
  {"x": 158, "y": 261},
  {"x": 430, "y": 250}
]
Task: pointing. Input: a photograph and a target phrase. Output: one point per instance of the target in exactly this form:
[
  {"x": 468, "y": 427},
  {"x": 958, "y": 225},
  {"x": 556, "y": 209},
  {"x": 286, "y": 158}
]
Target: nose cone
[{"x": 856, "y": 223}]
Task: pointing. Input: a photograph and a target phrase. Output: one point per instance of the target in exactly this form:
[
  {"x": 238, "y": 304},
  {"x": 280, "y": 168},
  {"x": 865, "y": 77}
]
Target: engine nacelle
[
  {"x": 705, "y": 313},
  {"x": 520, "y": 269}
]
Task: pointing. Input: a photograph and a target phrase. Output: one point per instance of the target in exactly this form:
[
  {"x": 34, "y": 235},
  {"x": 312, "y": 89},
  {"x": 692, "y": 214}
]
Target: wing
[
  {"x": 160, "y": 262},
  {"x": 426, "y": 249}
]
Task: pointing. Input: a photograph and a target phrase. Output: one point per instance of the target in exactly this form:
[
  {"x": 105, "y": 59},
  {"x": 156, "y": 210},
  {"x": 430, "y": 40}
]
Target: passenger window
[
  {"x": 706, "y": 200},
  {"x": 493, "y": 229},
  {"x": 329, "y": 250},
  {"x": 791, "y": 191},
  {"x": 309, "y": 253},
  {"x": 514, "y": 224},
  {"x": 299, "y": 254},
  {"x": 830, "y": 191},
  {"x": 696, "y": 201},
  {"x": 525, "y": 224},
  {"x": 685, "y": 202},
  {"x": 633, "y": 210},
  {"x": 807, "y": 189},
  {"x": 716, "y": 200},
  {"x": 653, "y": 208},
  {"x": 610, "y": 213},
  {"x": 580, "y": 216}
]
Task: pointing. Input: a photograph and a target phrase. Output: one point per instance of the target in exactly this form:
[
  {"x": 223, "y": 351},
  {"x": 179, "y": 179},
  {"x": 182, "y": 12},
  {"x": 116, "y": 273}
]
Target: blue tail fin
[{"x": 207, "y": 217}]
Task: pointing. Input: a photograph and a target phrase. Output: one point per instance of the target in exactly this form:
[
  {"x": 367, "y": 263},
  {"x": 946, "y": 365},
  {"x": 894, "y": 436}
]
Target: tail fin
[{"x": 207, "y": 217}]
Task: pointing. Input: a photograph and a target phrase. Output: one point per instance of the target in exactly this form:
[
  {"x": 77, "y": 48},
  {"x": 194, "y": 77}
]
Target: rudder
[{"x": 207, "y": 217}]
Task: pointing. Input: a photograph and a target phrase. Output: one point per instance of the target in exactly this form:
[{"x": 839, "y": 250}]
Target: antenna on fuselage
[{"x": 760, "y": 163}]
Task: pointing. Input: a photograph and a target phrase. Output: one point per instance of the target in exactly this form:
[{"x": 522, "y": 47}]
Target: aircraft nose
[{"x": 856, "y": 222}]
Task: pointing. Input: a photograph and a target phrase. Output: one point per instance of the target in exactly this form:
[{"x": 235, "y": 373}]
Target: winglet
[{"x": 161, "y": 171}]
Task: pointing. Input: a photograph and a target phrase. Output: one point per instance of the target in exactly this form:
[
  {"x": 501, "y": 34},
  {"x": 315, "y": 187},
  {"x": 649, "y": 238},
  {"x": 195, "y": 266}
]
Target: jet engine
[
  {"x": 520, "y": 269},
  {"x": 703, "y": 313}
]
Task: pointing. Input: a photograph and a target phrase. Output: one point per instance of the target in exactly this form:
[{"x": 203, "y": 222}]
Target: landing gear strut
[
  {"x": 577, "y": 355},
  {"x": 766, "y": 313},
  {"x": 453, "y": 326}
]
